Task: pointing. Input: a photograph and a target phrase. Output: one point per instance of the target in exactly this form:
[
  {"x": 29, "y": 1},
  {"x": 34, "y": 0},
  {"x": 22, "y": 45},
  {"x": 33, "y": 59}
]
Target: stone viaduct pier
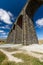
[{"x": 23, "y": 30}]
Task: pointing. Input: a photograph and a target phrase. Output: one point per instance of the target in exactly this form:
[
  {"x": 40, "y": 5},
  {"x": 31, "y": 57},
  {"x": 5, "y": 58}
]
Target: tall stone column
[
  {"x": 18, "y": 35},
  {"x": 18, "y": 31},
  {"x": 26, "y": 30},
  {"x": 29, "y": 34},
  {"x": 26, "y": 34},
  {"x": 33, "y": 32}
]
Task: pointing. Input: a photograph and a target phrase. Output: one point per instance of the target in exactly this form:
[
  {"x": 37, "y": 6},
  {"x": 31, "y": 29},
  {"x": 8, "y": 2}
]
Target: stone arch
[{"x": 32, "y": 6}]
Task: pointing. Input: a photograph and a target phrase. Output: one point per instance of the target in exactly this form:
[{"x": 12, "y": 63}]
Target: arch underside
[
  {"x": 23, "y": 30},
  {"x": 32, "y": 6}
]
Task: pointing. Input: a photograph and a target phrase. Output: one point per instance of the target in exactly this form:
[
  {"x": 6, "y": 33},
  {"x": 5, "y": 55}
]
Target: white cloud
[
  {"x": 10, "y": 14},
  {"x": 5, "y": 27},
  {"x": 1, "y": 31},
  {"x": 6, "y": 16},
  {"x": 4, "y": 33},
  {"x": 2, "y": 27},
  {"x": 39, "y": 22},
  {"x": 5, "y": 36}
]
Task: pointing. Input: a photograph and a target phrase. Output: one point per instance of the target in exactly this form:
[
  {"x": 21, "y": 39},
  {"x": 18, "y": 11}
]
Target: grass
[
  {"x": 28, "y": 60},
  {"x": 2, "y": 57},
  {"x": 8, "y": 63}
]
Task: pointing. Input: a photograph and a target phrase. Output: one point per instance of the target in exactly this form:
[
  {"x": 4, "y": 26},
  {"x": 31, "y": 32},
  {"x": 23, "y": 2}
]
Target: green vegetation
[
  {"x": 8, "y": 63},
  {"x": 28, "y": 60},
  {"x": 2, "y": 57}
]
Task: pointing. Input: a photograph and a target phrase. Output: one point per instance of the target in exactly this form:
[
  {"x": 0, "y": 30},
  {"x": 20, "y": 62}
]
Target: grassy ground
[
  {"x": 2, "y": 57},
  {"x": 28, "y": 60}
]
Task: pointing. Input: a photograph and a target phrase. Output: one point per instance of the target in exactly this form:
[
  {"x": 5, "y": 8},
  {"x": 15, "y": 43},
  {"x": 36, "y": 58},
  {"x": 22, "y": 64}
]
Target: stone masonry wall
[
  {"x": 24, "y": 31},
  {"x": 18, "y": 35}
]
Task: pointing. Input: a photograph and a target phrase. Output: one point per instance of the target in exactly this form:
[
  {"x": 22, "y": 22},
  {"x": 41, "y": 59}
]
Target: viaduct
[{"x": 23, "y": 30}]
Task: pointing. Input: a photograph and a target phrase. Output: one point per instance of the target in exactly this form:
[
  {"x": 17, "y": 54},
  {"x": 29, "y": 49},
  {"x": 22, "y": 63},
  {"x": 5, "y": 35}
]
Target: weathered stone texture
[
  {"x": 26, "y": 30},
  {"x": 29, "y": 34},
  {"x": 11, "y": 37},
  {"x": 18, "y": 35},
  {"x": 33, "y": 33},
  {"x": 23, "y": 31}
]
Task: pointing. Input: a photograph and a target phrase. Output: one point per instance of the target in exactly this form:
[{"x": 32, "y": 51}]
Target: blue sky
[
  {"x": 9, "y": 10},
  {"x": 38, "y": 22}
]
